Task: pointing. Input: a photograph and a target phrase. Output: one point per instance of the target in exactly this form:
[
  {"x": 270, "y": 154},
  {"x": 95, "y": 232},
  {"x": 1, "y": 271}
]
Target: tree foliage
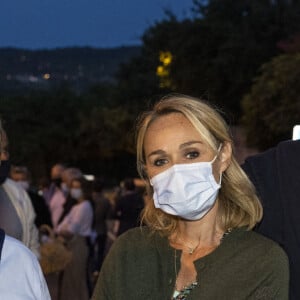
[
  {"x": 84, "y": 131},
  {"x": 215, "y": 54},
  {"x": 272, "y": 107},
  {"x": 221, "y": 51},
  {"x": 41, "y": 128}
]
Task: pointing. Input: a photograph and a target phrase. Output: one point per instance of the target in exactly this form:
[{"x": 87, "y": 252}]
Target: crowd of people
[
  {"x": 199, "y": 227},
  {"x": 88, "y": 220},
  {"x": 79, "y": 213}
]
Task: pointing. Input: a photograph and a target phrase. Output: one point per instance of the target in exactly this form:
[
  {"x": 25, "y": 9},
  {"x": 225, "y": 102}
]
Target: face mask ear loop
[
  {"x": 218, "y": 152},
  {"x": 220, "y": 147},
  {"x": 220, "y": 181}
]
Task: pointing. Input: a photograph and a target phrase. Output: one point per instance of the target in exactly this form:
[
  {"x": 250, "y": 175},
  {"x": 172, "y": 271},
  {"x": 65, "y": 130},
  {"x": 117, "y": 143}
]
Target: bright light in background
[
  {"x": 163, "y": 70},
  {"x": 46, "y": 76},
  {"x": 296, "y": 132},
  {"x": 89, "y": 177},
  {"x": 165, "y": 57}
]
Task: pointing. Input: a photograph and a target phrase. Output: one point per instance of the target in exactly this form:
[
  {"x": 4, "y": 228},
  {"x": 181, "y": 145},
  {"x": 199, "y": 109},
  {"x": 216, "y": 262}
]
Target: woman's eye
[
  {"x": 159, "y": 162},
  {"x": 192, "y": 154}
]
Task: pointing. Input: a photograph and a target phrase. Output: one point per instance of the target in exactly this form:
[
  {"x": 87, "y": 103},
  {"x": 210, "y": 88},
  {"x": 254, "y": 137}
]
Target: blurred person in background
[
  {"x": 16, "y": 211},
  {"x": 67, "y": 176},
  {"x": 55, "y": 175},
  {"x": 21, "y": 175},
  {"x": 128, "y": 207},
  {"x": 76, "y": 228},
  {"x": 276, "y": 175},
  {"x": 102, "y": 213},
  {"x": 61, "y": 201}
]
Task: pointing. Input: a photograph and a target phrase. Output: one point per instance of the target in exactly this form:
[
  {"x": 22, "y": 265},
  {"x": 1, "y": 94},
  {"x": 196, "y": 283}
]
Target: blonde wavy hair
[{"x": 238, "y": 202}]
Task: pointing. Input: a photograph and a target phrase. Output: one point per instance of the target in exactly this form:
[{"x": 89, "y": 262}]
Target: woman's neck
[{"x": 205, "y": 232}]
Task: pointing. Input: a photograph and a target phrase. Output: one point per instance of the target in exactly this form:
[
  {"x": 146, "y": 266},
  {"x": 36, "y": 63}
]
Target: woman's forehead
[
  {"x": 171, "y": 129},
  {"x": 171, "y": 120}
]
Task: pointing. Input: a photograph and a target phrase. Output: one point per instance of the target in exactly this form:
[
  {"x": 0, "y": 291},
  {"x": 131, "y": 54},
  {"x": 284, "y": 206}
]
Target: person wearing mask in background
[
  {"x": 55, "y": 183},
  {"x": 16, "y": 211},
  {"x": 76, "y": 228},
  {"x": 276, "y": 175},
  {"x": 21, "y": 276},
  {"x": 68, "y": 176},
  {"x": 198, "y": 243},
  {"x": 128, "y": 206},
  {"x": 21, "y": 175},
  {"x": 61, "y": 202}
]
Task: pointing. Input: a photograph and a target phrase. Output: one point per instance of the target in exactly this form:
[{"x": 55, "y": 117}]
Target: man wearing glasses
[
  {"x": 16, "y": 211},
  {"x": 21, "y": 276}
]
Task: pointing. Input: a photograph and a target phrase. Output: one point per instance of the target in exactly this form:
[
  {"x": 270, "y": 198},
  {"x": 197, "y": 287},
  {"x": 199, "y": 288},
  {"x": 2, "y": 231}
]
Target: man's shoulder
[
  {"x": 288, "y": 146},
  {"x": 17, "y": 251},
  {"x": 21, "y": 273}
]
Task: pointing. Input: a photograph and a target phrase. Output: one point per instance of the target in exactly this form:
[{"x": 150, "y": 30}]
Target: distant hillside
[{"x": 20, "y": 68}]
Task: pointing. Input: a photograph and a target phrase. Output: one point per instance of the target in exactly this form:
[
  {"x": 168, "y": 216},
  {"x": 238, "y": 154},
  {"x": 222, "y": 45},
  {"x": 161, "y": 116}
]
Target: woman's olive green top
[{"x": 246, "y": 265}]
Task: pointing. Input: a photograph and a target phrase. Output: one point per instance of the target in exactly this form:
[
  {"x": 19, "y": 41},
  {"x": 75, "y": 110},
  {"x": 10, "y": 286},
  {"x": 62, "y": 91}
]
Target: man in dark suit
[{"x": 276, "y": 176}]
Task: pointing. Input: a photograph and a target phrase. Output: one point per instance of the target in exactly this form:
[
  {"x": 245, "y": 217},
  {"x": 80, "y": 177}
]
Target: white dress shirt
[{"x": 21, "y": 277}]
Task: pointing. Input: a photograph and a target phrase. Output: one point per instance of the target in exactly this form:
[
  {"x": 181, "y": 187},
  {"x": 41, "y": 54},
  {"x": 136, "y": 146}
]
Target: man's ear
[{"x": 225, "y": 156}]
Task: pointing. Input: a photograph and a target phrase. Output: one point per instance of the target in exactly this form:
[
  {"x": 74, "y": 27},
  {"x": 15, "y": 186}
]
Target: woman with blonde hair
[{"x": 197, "y": 242}]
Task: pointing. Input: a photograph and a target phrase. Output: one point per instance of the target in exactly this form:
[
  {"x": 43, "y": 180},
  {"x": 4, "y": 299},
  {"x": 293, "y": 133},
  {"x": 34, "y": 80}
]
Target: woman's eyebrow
[
  {"x": 156, "y": 152},
  {"x": 184, "y": 145}
]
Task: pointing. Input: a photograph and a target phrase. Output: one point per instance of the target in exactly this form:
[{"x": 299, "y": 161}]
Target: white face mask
[
  {"x": 24, "y": 184},
  {"x": 186, "y": 190},
  {"x": 76, "y": 193}
]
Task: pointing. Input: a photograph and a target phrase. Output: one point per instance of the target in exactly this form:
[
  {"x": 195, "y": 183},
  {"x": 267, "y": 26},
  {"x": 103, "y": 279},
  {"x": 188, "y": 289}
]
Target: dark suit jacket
[{"x": 276, "y": 176}]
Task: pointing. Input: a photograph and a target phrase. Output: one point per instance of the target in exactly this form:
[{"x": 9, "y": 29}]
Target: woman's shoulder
[
  {"x": 141, "y": 234},
  {"x": 245, "y": 234},
  {"x": 138, "y": 237},
  {"x": 257, "y": 244}
]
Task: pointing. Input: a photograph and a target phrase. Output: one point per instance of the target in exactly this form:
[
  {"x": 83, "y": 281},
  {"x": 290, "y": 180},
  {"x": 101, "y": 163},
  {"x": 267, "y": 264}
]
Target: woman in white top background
[{"x": 76, "y": 230}]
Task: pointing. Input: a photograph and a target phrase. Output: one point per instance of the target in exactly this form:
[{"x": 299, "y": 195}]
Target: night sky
[{"x": 40, "y": 24}]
